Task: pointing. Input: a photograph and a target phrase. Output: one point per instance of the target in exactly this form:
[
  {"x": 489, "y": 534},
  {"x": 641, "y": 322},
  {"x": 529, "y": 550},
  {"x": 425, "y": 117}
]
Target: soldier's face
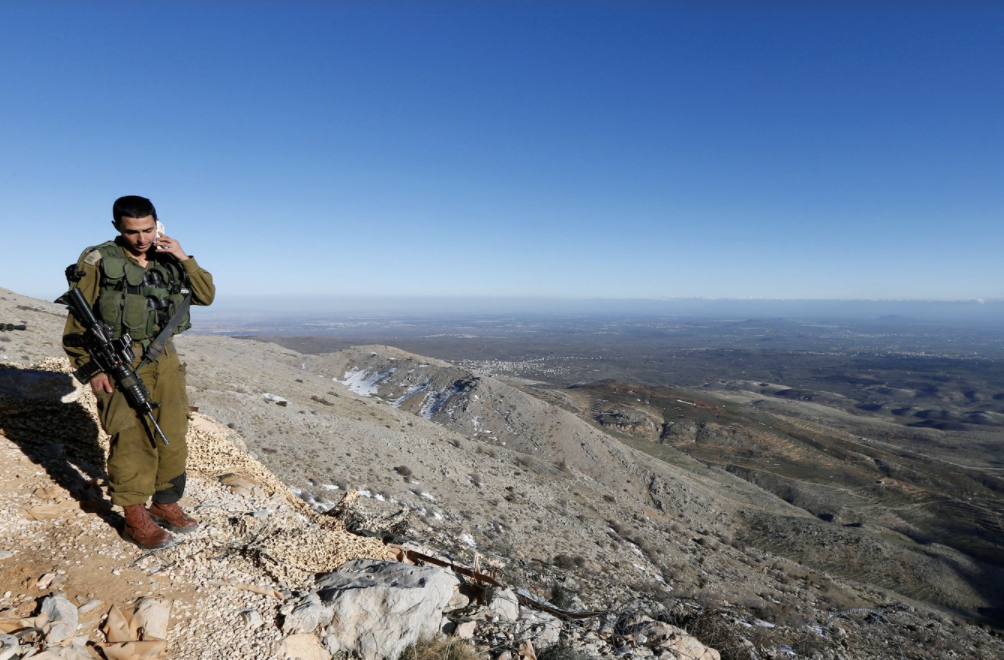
[{"x": 137, "y": 233}]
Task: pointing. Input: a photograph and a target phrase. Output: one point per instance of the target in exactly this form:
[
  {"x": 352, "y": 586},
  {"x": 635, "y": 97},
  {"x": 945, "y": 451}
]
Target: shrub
[
  {"x": 564, "y": 561},
  {"x": 440, "y": 648},
  {"x": 403, "y": 470},
  {"x": 561, "y": 597},
  {"x": 561, "y": 651},
  {"x": 719, "y": 633}
]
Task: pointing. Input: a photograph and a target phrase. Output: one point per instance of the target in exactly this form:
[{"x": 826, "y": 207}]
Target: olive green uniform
[{"x": 139, "y": 466}]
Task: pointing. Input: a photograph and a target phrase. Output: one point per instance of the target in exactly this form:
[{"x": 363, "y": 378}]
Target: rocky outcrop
[{"x": 372, "y": 609}]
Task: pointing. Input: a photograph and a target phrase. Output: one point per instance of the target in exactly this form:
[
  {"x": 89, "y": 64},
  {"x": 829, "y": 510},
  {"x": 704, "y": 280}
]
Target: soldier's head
[
  {"x": 132, "y": 206},
  {"x": 136, "y": 221}
]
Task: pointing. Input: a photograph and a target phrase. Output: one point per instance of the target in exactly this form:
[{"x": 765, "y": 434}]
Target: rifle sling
[{"x": 159, "y": 343}]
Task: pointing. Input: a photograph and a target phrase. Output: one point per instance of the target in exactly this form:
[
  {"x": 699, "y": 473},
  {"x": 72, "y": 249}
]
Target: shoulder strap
[{"x": 159, "y": 343}]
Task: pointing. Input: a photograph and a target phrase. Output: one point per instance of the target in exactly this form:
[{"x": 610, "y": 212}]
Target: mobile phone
[{"x": 160, "y": 232}]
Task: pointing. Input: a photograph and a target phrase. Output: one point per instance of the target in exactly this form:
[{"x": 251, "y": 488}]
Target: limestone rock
[
  {"x": 62, "y": 616},
  {"x": 504, "y": 605},
  {"x": 9, "y": 646},
  {"x": 465, "y": 630},
  {"x": 374, "y": 609},
  {"x": 301, "y": 647},
  {"x": 307, "y": 615},
  {"x": 153, "y": 616},
  {"x": 544, "y": 629},
  {"x": 252, "y": 618},
  {"x": 686, "y": 647},
  {"x": 74, "y": 651}
]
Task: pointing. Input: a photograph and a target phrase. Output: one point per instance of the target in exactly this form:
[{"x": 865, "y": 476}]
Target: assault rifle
[{"x": 111, "y": 356}]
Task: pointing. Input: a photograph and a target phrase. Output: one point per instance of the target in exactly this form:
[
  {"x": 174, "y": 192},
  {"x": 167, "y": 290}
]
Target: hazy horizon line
[{"x": 386, "y": 297}]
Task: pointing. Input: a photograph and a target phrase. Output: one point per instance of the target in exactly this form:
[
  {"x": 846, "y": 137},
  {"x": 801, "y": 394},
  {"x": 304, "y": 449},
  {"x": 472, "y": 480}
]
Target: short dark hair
[{"x": 132, "y": 206}]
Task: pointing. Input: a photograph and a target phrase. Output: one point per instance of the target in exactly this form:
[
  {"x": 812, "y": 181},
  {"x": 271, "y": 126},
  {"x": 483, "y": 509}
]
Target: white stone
[
  {"x": 504, "y": 604},
  {"x": 153, "y": 616},
  {"x": 252, "y": 618},
  {"x": 465, "y": 630},
  {"x": 301, "y": 647},
  {"x": 375, "y": 609},
  {"x": 307, "y": 615}
]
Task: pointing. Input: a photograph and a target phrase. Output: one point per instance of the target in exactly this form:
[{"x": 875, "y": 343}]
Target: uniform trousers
[{"x": 140, "y": 465}]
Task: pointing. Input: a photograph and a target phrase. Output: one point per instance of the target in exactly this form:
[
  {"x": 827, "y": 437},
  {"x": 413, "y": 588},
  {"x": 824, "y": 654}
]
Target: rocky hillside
[{"x": 465, "y": 468}]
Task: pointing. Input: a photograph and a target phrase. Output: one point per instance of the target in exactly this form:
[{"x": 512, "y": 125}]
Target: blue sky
[{"x": 559, "y": 149}]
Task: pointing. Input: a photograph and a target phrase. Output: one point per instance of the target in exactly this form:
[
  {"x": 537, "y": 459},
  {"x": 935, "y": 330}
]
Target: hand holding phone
[{"x": 164, "y": 243}]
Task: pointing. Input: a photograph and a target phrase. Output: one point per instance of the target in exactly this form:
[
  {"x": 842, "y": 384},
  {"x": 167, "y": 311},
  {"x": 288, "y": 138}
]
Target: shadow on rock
[{"x": 39, "y": 411}]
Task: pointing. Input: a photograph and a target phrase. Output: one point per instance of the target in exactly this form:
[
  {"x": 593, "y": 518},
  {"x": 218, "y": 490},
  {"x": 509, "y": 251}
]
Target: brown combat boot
[
  {"x": 142, "y": 531},
  {"x": 172, "y": 517}
]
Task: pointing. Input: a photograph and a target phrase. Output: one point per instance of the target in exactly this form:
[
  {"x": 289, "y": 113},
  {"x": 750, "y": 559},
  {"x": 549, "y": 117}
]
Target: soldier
[{"x": 137, "y": 284}]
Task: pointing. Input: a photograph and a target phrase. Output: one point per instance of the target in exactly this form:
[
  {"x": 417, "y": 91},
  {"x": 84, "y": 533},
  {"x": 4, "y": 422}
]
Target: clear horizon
[{"x": 593, "y": 150}]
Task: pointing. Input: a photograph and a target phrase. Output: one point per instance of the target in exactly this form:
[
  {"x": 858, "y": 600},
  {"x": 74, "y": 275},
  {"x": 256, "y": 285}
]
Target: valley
[{"x": 888, "y": 433}]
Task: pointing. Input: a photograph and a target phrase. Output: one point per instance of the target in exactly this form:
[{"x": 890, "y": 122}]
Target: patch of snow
[
  {"x": 428, "y": 496},
  {"x": 468, "y": 539},
  {"x": 362, "y": 381},
  {"x": 365, "y": 493},
  {"x": 378, "y": 497},
  {"x": 330, "y": 487},
  {"x": 273, "y": 398},
  {"x": 434, "y": 402}
]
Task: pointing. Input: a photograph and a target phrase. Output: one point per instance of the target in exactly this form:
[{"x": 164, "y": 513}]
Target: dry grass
[
  {"x": 440, "y": 648},
  {"x": 561, "y": 652}
]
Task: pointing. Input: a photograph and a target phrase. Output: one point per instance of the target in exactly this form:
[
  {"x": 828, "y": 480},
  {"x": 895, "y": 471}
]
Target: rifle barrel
[{"x": 163, "y": 438}]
